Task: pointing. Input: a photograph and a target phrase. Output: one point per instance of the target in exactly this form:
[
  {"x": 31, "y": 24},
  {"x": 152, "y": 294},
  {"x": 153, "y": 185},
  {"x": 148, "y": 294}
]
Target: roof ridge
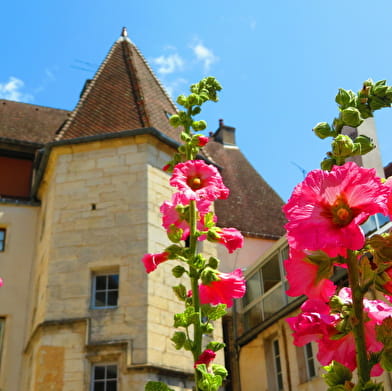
[
  {"x": 151, "y": 71},
  {"x": 85, "y": 93}
]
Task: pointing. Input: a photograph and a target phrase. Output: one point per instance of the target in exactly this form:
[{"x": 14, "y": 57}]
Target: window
[
  {"x": 2, "y": 325},
  {"x": 309, "y": 361},
  {"x": 104, "y": 378},
  {"x": 274, "y": 365},
  {"x": 306, "y": 363},
  {"x": 2, "y": 239},
  {"x": 105, "y": 291},
  {"x": 265, "y": 289},
  {"x": 375, "y": 224}
]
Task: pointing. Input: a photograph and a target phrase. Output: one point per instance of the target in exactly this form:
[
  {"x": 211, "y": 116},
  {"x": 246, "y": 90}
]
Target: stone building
[{"x": 79, "y": 206}]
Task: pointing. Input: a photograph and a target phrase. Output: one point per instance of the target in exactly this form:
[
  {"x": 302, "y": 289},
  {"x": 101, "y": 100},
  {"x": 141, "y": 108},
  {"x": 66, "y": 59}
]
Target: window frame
[
  {"x": 94, "y": 381},
  {"x": 282, "y": 254},
  {"x": 2, "y": 241},
  {"x": 93, "y": 302},
  {"x": 310, "y": 363}
]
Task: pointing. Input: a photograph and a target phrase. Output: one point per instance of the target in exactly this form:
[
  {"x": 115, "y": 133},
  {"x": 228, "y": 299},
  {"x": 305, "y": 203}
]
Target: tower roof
[{"x": 123, "y": 95}]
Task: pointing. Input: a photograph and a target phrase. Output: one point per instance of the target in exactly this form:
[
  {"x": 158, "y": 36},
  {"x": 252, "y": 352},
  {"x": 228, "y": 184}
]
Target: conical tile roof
[{"x": 123, "y": 95}]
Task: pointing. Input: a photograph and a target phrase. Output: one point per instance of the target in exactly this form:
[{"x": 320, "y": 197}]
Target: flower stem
[
  {"x": 197, "y": 334},
  {"x": 358, "y": 320}
]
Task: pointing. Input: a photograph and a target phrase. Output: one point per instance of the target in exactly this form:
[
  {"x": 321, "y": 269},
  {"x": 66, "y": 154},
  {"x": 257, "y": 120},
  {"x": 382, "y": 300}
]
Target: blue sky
[{"x": 280, "y": 63}]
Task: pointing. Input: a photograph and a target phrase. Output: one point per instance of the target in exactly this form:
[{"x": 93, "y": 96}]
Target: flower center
[
  {"x": 342, "y": 214},
  {"x": 195, "y": 183}
]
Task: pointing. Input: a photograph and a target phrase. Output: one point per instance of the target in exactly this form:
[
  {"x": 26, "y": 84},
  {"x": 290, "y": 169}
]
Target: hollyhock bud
[
  {"x": 227, "y": 287},
  {"x": 343, "y": 146},
  {"x": 351, "y": 117},
  {"x": 202, "y": 140},
  {"x": 151, "y": 261},
  {"x": 323, "y": 130},
  {"x": 205, "y": 357}
]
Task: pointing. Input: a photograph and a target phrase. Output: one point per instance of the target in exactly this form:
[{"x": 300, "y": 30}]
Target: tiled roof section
[
  {"x": 32, "y": 123},
  {"x": 253, "y": 206},
  {"x": 123, "y": 95},
  {"x": 388, "y": 170}
]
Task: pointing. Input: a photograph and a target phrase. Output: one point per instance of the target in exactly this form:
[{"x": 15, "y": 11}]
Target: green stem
[
  {"x": 197, "y": 335},
  {"x": 358, "y": 320}
]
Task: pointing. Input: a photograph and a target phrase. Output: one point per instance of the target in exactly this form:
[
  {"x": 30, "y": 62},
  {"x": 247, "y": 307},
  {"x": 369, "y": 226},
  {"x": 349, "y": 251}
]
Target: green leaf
[
  {"x": 178, "y": 339},
  {"x": 208, "y": 381},
  {"x": 323, "y": 262},
  {"x": 215, "y": 346},
  {"x": 180, "y": 292},
  {"x": 178, "y": 271},
  {"x": 337, "y": 374},
  {"x": 219, "y": 370},
  {"x": 384, "y": 332},
  {"x": 214, "y": 312},
  {"x": 186, "y": 318},
  {"x": 213, "y": 263},
  {"x": 386, "y": 359},
  {"x": 156, "y": 386}
]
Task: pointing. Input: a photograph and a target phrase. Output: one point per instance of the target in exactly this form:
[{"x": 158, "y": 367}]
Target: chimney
[{"x": 225, "y": 134}]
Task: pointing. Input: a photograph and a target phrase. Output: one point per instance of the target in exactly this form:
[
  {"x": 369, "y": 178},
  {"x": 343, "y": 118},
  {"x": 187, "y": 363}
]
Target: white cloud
[
  {"x": 174, "y": 87},
  {"x": 169, "y": 64},
  {"x": 12, "y": 90},
  {"x": 205, "y": 55}
]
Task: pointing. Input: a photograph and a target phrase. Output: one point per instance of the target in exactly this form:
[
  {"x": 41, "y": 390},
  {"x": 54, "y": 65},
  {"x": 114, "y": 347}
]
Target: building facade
[{"x": 80, "y": 194}]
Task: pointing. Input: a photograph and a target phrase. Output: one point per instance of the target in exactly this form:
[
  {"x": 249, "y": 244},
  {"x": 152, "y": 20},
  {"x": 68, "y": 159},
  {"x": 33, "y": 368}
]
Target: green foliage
[
  {"x": 186, "y": 318},
  {"x": 178, "y": 339},
  {"x": 215, "y": 346},
  {"x": 337, "y": 375},
  {"x": 156, "y": 386},
  {"x": 210, "y": 381},
  {"x": 180, "y": 292},
  {"x": 178, "y": 271},
  {"x": 214, "y": 312},
  {"x": 353, "y": 109}
]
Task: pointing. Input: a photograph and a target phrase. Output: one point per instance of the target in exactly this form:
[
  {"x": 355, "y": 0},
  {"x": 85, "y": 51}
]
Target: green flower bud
[
  {"x": 351, "y": 117},
  {"x": 219, "y": 370},
  {"x": 323, "y": 130},
  {"x": 199, "y": 125},
  {"x": 196, "y": 110},
  {"x": 209, "y": 275},
  {"x": 342, "y": 98},
  {"x": 366, "y": 144},
  {"x": 342, "y": 146},
  {"x": 182, "y": 100},
  {"x": 175, "y": 121},
  {"x": 377, "y": 103},
  {"x": 213, "y": 263},
  {"x": 327, "y": 164}
]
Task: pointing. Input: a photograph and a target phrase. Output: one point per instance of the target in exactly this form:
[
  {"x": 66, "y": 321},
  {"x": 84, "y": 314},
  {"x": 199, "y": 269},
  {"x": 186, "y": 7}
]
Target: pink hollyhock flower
[
  {"x": 231, "y": 238},
  {"x": 1, "y": 282},
  {"x": 198, "y": 180},
  {"x": 203, "y": 140},
  {"x": 171, "y": 214},
  {"x": 303, "y": 279},
  {"x": 389, "y": 201},
  {"x": 326, "y": 209},
  {"x": 313, "y": 324},
  {"x": 205, "y": 357},
  {"x": 229, "y": 286},
  {"x": 151, "y": 261}
]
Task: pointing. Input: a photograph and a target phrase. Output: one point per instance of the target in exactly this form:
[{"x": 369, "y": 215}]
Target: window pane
[
  {"x": 2, "y": 232},
  {"x": 100, "y": 298},
  {"x": 271, "y": 273},
  {"x": 111, "y": 371},
  {"x": 370, "y": 225},
  {"x": 112, "y": 298},
  {"x": 273, "y": 302},
  {"x": 113, "y": 281},
  {"x": 111, "y": 385},
  {"x": 100, "y": 283},
  {"x": 382, "y": 219},
  {"x": 253, "y": 317},
  {"x": 99, "y": 386},
  {"x": 253, "y": 289},
  {"x": 99, "y": 372}
]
